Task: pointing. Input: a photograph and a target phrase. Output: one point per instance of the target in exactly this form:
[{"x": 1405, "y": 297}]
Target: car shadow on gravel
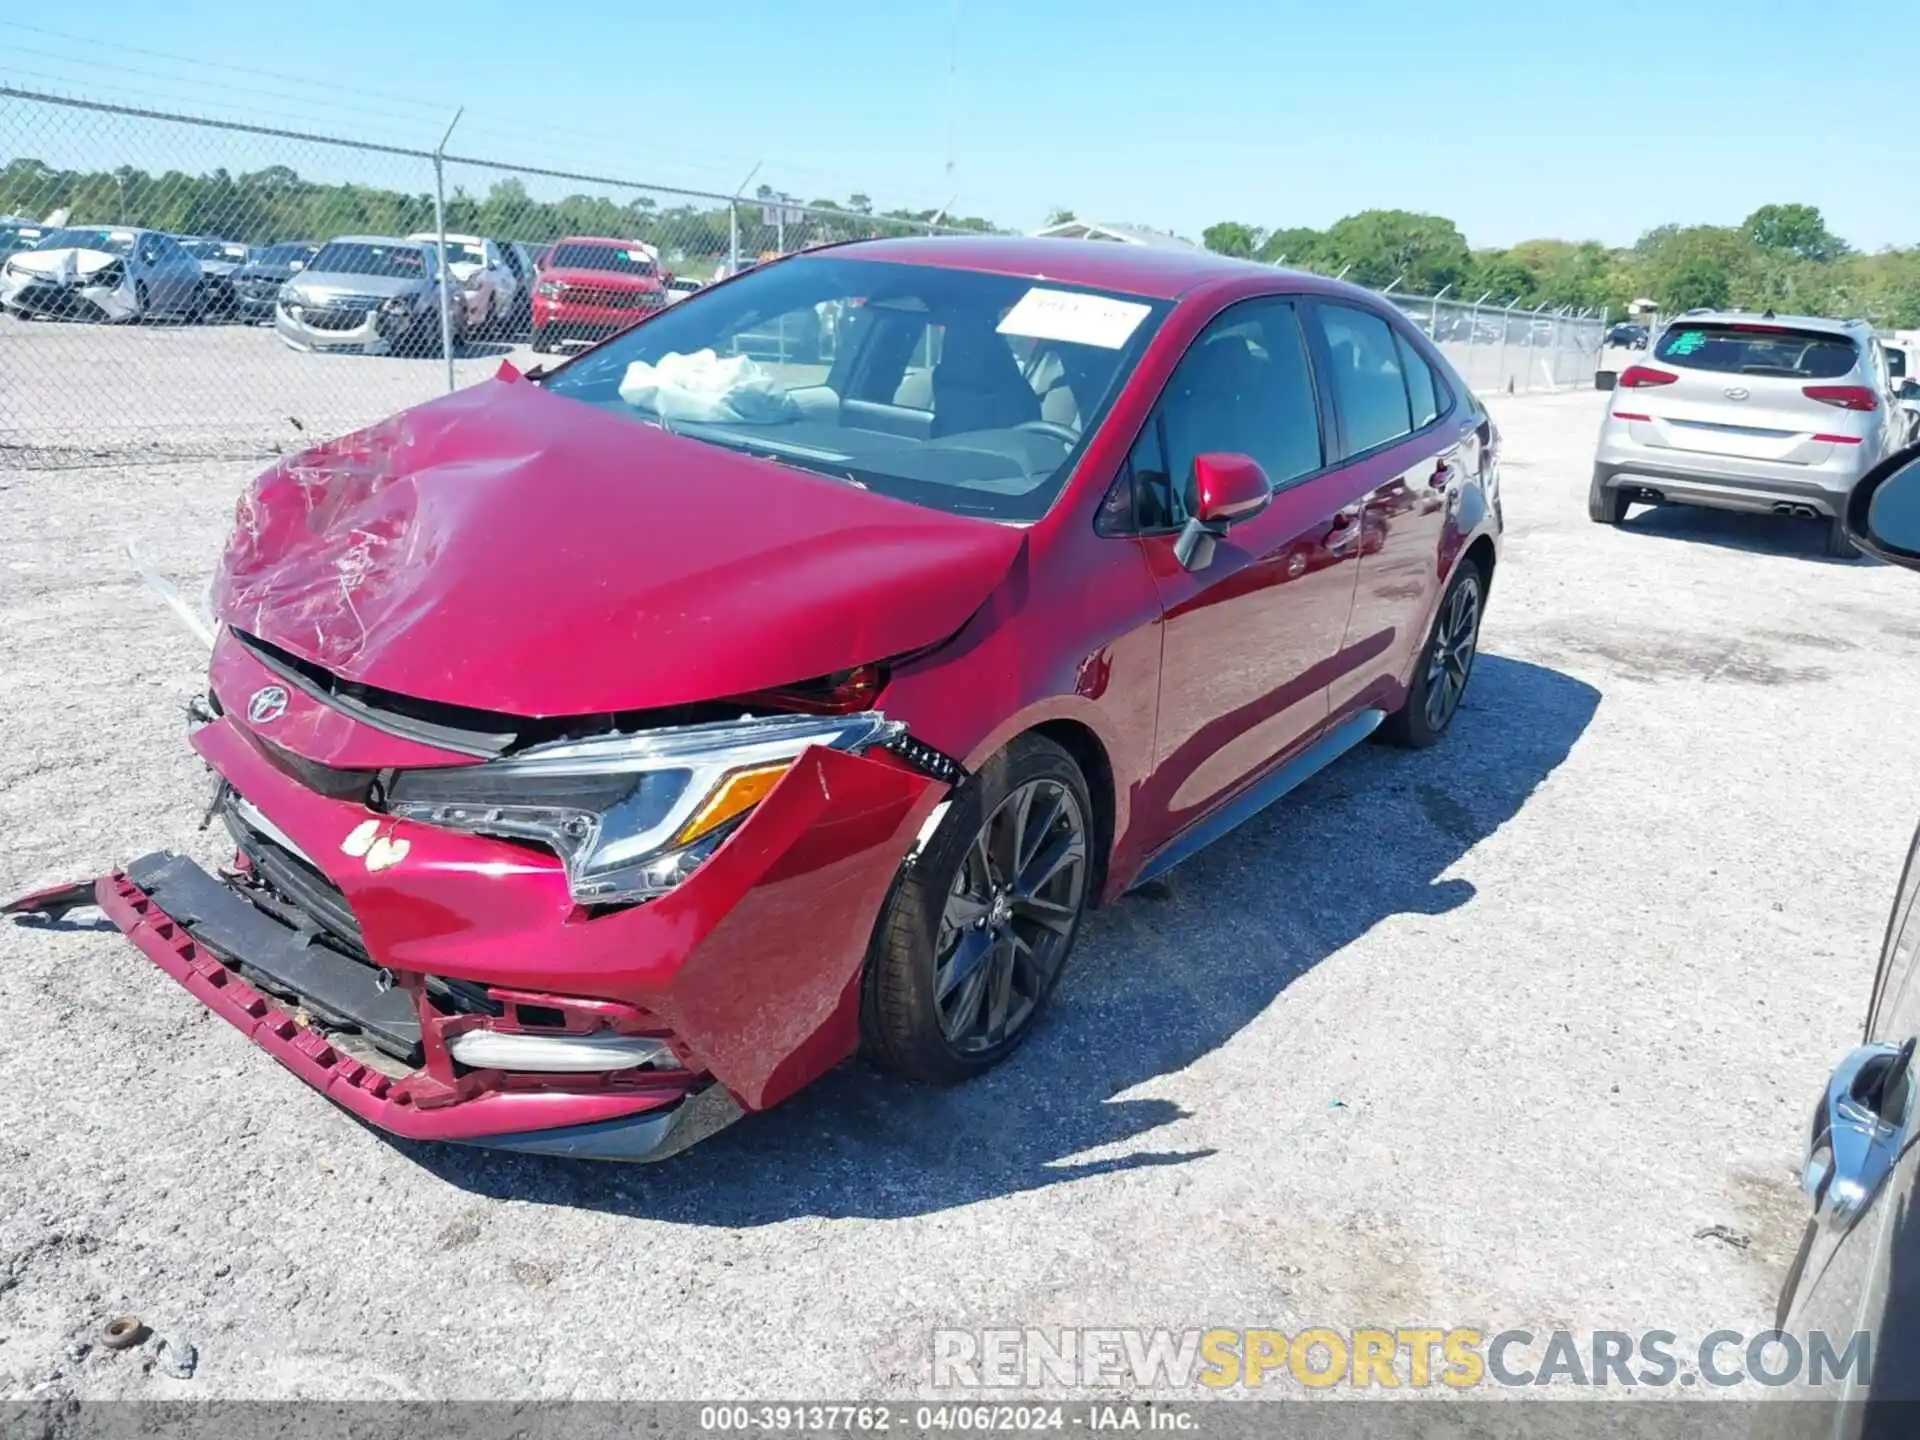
[
  {"x": 1156, "y": 982},
  {"x": 1736, "y": 530}
]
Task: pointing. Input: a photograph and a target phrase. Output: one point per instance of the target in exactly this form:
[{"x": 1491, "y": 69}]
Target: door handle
[{"x": 1858, "y": 1131}]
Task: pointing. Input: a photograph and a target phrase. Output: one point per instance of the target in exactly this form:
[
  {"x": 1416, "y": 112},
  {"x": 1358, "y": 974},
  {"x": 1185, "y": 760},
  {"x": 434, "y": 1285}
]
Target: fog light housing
[{"x": 560, "y": 1054}]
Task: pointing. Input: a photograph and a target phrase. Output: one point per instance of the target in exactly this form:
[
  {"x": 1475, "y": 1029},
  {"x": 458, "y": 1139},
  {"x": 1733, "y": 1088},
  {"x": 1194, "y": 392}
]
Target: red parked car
[
  {"x": 605, "y": 753},
  {"x": 591, "y": 287}
]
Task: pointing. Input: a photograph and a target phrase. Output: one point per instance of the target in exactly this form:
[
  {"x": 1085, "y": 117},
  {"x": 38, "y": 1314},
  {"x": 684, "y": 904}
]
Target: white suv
[{"x": 1763, "y": 413}]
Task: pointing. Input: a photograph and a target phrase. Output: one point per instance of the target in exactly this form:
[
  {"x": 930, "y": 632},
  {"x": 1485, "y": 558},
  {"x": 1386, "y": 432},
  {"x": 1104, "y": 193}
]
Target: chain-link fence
[
  {"x": 1505, "y": 350},
  {"x": 174, "y": 285}
]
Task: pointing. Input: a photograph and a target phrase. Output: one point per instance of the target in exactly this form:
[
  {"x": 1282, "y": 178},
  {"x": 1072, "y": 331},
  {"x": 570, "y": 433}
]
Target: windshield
[
  {"x": 19, "y": 237},
  {"x": 626, "y": 260},
  {"x": 215, "y": 250},
  {"x": 953, "y": 389},
  {"x": 113, "y": 242},
  {"x": 460, "y": 252},
  {"x": 355, "y": 257},
  {"x": 285, "y": 254},
  {"x": 1732, "y": 349}
]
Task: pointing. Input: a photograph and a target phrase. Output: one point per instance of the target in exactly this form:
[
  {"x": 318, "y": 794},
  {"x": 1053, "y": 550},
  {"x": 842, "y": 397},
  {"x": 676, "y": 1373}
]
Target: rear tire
[
  {"x": 1446, "y": 664},
  {"x": 1838, "y": 546},
  {"x": 1606, "y": 504},
  {"x": 979, "y": 926}
]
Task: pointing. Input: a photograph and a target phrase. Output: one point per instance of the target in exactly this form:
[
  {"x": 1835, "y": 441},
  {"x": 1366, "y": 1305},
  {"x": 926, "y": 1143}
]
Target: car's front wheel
[
  {"x": 1440, "y": 679},
  {"x": 979, "y": 925}
]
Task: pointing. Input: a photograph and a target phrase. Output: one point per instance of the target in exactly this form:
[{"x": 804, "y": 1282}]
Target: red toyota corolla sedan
[{"x": 609, "y": 749}]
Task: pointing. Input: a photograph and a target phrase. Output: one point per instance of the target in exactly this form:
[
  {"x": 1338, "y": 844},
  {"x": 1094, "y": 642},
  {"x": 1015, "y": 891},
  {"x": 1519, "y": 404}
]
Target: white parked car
[
  {"x": 103, "y": 272},
  {"x": 488, "y": 284}
]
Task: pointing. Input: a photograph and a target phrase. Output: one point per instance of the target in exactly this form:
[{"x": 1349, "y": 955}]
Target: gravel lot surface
[{"x": 1487, "y": 1035}]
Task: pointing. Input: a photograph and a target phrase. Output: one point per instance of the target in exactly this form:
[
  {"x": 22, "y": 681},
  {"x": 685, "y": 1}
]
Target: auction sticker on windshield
[{"x": 1074, "y": 319}]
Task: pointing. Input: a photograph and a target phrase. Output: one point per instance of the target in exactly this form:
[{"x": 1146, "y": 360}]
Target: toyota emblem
[
  {"x": 1736, "y": 392},
  {"x": 268, "y": 704}
]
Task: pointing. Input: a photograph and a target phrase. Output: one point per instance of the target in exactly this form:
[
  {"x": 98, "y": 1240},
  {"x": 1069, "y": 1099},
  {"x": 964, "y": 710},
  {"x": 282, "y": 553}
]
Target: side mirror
[
  {"x": 1227, "y": 489},
  {"x": 1605, "y": 379},
  {"x": 1883, "y": 513}
]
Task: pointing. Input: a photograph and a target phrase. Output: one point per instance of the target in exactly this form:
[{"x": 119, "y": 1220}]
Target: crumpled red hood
[{"x": 514, "y": 551}]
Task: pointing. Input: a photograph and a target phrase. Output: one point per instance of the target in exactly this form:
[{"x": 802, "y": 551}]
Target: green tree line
[
  {"x": 275, "y": 203},
  {"x": 1781, "y": 257}
]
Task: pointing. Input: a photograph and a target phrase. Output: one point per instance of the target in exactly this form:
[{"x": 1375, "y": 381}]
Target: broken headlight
[{"x": 631, "y": 815}]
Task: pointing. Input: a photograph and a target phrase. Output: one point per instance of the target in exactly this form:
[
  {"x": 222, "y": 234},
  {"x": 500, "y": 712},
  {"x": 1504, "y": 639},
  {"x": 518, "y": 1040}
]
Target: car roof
[
  {"x": 1146, "y": 270},
  {"x": 375, "y": 240},
  {"x": 600, "y": 240},
  {"x": 425, "y": 235},
  {"x": 1818, "y": 323}
]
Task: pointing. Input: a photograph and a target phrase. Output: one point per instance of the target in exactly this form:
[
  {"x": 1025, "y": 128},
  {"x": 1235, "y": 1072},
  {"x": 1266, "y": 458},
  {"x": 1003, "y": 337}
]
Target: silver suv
[{"x": 1763, "y": 413}]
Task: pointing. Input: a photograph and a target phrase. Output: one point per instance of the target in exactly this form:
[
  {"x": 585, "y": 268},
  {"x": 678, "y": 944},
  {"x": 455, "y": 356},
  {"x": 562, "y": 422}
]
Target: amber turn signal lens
[{"x": 735, "y": 795}]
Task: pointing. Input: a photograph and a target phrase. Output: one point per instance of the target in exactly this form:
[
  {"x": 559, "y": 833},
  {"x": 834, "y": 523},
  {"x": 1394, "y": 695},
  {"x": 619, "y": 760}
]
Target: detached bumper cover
[
  {"x": 649, "y": 1124},
  {"x": 752, "y": 965}
]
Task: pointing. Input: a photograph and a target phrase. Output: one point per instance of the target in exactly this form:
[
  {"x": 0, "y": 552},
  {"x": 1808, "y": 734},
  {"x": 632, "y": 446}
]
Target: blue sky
[{"x": 1594, "y": 120}]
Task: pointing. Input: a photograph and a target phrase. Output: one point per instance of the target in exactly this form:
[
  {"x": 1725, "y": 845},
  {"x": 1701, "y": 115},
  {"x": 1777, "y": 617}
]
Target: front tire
[
  {"x": 978, "y": 928},
  {"x": 542, "y": 340},
  {"x": 1446, "y": 664}
]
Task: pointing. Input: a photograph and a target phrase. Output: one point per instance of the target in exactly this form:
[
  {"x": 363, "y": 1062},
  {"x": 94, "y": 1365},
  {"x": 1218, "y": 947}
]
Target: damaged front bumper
[
  {"x": 63, "y": 301},
  {"x": 369, "y": 983}
]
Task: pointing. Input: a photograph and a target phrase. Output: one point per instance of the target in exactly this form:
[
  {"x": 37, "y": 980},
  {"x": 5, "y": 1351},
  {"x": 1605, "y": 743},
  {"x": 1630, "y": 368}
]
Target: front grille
[
  {"x": 333, "y": 319},
  {"x": 302, "y": 886},
  {"x": 608, "y": 299}
]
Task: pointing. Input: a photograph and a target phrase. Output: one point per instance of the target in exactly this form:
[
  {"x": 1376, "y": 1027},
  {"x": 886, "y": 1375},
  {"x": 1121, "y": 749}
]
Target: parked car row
[{"x": 369, "y": 293}]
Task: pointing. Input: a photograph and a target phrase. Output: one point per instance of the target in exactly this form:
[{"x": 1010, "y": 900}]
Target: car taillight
[
  {"x": 1845, "y": 397},
  {"x": 1629, "y": 415},
  {"x": 1839, "y": 439},
  {"x": 1639, "y": 377}
]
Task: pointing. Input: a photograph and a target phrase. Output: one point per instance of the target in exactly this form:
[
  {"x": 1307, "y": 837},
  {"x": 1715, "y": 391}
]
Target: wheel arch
[
  {"x": 1085, "y": 747},
  {"x": 1483, "y": 556}
]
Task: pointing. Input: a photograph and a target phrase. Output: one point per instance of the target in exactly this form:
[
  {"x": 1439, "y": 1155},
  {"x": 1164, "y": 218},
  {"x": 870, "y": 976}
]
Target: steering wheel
[{"x": 1065, "y": 434}]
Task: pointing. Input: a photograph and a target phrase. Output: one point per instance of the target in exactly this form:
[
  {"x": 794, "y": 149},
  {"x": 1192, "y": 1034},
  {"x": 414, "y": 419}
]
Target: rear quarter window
[{"x": 1758, "y": 350}]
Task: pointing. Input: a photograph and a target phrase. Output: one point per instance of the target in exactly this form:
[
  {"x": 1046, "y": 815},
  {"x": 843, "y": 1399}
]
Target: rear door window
[
  {"x": 1421, "y": 390},
  {"x": 1733, "y": 349},
  {"x": 1369, "y": 384}
]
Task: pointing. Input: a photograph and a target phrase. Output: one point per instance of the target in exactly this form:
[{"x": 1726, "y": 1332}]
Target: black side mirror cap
[{"x": 1605, "y": 379}]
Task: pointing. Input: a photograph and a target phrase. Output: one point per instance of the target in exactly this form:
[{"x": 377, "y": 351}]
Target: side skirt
[{"x": 1258, "y": 796}]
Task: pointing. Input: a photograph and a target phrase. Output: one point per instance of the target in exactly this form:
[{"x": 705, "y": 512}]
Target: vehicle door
[
  {"x": 1858, "y": 1269},
  {"x": 499, "y": 276},
  {"x": 1251, "y": 635},
  {"x": 1400, "y": 432},
  {"x": 179, "y": 276}
]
